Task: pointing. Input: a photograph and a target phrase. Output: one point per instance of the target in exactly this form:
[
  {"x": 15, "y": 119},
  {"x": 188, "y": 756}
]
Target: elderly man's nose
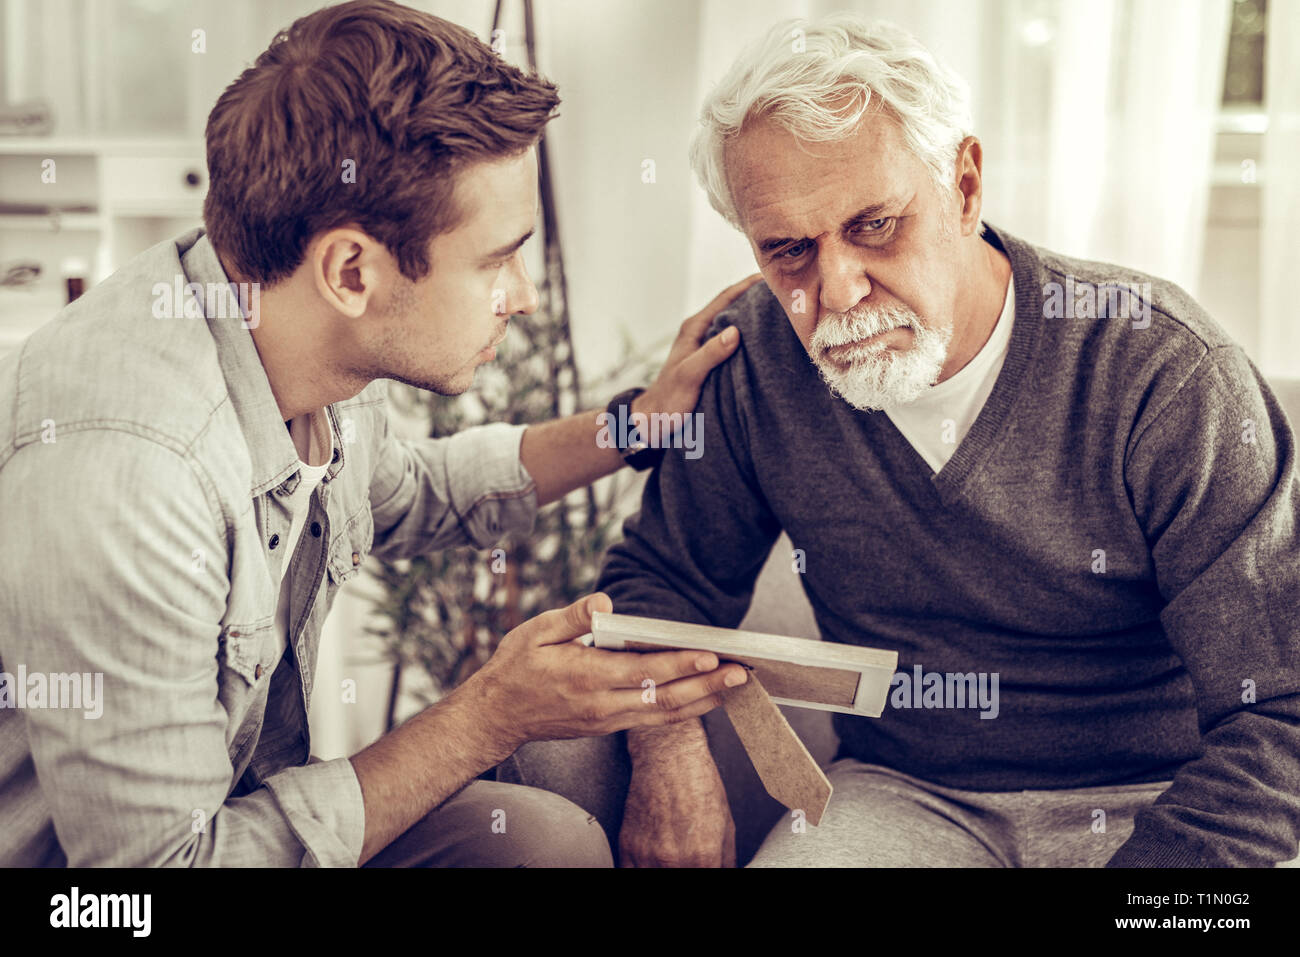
[{"x": 844, "y": 284}]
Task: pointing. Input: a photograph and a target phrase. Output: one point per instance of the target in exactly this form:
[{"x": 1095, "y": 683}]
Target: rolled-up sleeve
[
  {"x": 468, "y": 489},
  {"x": 121, "y": 572},
  {"x": 323, "y": 806}
]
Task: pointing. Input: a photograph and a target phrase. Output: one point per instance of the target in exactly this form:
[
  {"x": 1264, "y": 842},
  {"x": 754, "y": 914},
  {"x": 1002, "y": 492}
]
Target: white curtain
[{"x": 1279, "y": 329}]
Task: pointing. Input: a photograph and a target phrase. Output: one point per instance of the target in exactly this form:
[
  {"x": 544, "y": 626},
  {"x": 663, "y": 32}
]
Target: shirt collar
[{"x": 271, "y": 450}]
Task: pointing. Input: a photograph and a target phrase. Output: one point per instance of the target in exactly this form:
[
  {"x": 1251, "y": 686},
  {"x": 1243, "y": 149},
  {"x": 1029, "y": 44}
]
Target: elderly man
[{"x": 1079, "y": 485}]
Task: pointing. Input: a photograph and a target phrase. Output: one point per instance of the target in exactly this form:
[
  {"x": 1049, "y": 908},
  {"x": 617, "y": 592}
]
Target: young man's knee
[
  {"x": 491, "y": 824},
  {"x": 540, "y": 829}
]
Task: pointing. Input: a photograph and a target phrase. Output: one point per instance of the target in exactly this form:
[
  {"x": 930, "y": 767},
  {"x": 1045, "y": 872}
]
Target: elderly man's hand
[
  {"x": 677, "y": 388},
  {"x": 677, "y": 813}
]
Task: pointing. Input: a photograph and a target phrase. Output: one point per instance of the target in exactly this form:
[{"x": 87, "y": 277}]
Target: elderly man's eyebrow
[
  {"x": 865, "y": 214},
  {"x": 772, "y": 245},
  {"x": 868, "y": 213},
  {"x": 507, "y": 250}
]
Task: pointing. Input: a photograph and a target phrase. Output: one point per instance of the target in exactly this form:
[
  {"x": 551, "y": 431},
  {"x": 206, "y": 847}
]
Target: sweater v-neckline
[{"x": 948, "y": 483}]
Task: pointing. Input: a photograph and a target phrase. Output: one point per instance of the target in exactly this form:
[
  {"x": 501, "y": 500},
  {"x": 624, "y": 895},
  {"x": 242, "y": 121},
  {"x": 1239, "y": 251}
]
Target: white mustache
[
  {"x": 878, "y": 380},
  {"x": 860, "y": 322}
]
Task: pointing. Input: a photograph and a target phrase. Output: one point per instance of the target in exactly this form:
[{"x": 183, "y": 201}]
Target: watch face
[{"x": 643, "y": 458}]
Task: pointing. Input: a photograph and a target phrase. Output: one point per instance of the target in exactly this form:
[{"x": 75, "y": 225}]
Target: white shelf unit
[{"x": 126, "y": 195}]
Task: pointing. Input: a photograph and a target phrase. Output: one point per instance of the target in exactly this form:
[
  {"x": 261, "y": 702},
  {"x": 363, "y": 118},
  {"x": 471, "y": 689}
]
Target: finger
[
  {"x": 673, "y": 695},
  {"x": 695, "y": 367},
  {"x": 564, "y": 624},
  {"x": 723, "y": 299},
  {"x": 646, "y": 719},
  {"x": 630, "y": 669}
]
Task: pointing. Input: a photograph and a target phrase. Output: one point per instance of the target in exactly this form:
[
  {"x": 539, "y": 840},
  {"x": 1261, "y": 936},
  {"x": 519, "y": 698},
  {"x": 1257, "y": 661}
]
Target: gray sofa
[{"x": 593, "y": 772}]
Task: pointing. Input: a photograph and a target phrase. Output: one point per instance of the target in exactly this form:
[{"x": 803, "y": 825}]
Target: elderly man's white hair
[{"x": 817, "y": 79}]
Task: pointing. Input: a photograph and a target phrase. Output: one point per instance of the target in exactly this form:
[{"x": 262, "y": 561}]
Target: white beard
[{"x": 879, "y": 377}]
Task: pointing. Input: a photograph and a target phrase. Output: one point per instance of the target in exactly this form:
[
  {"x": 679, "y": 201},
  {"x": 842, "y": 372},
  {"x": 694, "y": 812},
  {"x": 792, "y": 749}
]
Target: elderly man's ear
[{"x": 970, "y": 180}]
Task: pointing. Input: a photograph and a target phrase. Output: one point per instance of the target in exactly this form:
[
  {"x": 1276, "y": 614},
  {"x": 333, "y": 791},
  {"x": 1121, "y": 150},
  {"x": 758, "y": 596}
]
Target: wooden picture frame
[{"x": 803, "y": 672}]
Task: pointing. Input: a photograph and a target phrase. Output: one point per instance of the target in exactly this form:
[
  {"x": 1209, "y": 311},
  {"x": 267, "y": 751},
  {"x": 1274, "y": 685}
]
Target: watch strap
[{"x": 631, "y": 444}]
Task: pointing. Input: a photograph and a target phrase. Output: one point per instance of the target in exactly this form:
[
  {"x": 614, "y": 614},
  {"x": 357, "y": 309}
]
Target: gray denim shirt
[{"x": 143, "y": 468}]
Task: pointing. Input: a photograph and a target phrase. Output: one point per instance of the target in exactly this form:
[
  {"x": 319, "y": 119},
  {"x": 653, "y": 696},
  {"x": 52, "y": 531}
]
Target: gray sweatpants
[{"x": 879, "y": 817}]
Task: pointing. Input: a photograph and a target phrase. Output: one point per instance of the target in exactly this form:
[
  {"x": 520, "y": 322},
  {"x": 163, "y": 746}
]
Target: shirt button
[
  {"x": 356, "y": 558},
  {"x": 315, "y": 529},
  {"x": 257, "y": 672},
  {"x": 275, "y": 540}
]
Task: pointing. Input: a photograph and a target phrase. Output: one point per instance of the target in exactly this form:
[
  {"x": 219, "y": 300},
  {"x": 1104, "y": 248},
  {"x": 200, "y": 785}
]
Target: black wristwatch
[{"x": 632, "y": 445}]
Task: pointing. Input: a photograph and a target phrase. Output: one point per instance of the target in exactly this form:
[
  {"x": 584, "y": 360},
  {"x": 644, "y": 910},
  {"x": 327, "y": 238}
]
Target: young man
[
  {"x": 183, "y": 488},
  {"x": 1078, "y": 485}
]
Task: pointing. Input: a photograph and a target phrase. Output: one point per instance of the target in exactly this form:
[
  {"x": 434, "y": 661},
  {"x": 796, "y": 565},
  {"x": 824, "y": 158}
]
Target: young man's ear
[{"x": 345, "y": 265}]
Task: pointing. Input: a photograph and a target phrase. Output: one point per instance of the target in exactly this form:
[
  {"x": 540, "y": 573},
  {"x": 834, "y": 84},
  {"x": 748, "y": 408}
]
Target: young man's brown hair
[{"x": 409, "y": 99}]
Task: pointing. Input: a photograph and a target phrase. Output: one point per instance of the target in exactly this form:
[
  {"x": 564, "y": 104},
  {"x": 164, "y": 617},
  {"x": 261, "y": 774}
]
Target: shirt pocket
[
  {"x": 349, "y": 549},
  {"x": 249, "y": 651},
  {"x": 246, "y": 657}
]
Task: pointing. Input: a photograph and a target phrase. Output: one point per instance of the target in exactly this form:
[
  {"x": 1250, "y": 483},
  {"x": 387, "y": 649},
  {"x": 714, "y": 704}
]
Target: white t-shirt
[
  {"x": 936, "y": 422},
  {"x": 314, "y": 434}
]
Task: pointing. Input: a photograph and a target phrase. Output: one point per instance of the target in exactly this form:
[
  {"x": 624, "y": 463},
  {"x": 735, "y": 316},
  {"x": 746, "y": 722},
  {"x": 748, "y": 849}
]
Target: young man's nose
[{"x": 523, "y": 299}]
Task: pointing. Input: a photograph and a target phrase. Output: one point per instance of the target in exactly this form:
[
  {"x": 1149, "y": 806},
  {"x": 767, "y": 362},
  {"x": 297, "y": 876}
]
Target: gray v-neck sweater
[{"x": 1116, "y": 538}]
